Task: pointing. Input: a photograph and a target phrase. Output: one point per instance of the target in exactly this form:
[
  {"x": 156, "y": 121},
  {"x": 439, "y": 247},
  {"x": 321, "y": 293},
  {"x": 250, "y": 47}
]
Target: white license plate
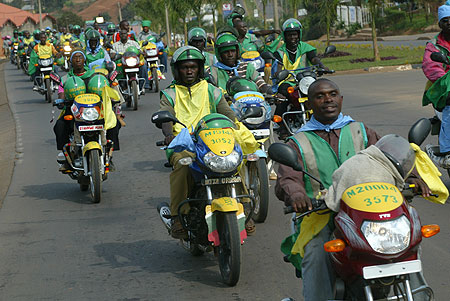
[
  {"x": 152, "y": 59},
  {"x": 219, "y": 181},
  {"x": 85, "y": 128},
  {"x": 47, "y": 69},
  {"x": 263, "y": 132},
  {"x": 132, "y": 70},
  {"x": 392, "y": 269}
]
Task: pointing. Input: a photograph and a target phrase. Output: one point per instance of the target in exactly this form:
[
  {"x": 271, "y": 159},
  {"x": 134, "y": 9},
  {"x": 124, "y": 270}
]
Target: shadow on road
[
  {"x": 144, "y": 166},
  {"x": 159, "y": 256},
  {"x": 69, "y": 192}
]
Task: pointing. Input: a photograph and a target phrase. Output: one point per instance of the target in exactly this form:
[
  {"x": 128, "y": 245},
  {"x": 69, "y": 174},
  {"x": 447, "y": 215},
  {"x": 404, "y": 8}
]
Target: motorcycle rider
[
  {"x": 197, "y": 38},
  {"x": 15, "y": 39},
  {"x": 322, "y": 145},
  {"x": 28, "y": 38},
  {"x": 437, "y": 88},
  {"x": 42, "y": 50},
  {"x": 94, "y": 50},
  {"x": 145, "y": 32},
  {"x": 110, "y": 34},
  {"x": 64, "y": 36},
  {"x": 124, "y": 25},
  {"x": 78, "y": 38},
  {"x": 184, "y": 99}
]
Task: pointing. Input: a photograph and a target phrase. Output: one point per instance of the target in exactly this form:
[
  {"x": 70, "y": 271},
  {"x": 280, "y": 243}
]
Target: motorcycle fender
[
  {"x": 210, "y": 218},
  {"x": 90, "y": 146},
  {"x": 225, "y": 204},
  {"x": 46, "y": 76}
]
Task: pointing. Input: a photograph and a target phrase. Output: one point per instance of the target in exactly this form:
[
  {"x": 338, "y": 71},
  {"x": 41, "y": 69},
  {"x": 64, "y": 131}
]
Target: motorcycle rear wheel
[
  {"x": 95, "y": 175},
  {"x": 259, "y": 179},
  {"x": 155, "y": 79},
  {"x": 135, "y": 92},
  {"x": 229, "y": 248},
  {"x": 48, "y": 92}
]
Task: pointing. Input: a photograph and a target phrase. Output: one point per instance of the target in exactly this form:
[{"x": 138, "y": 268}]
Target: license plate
[
  {"x": 47, "y": 69},
  {"x": 219, "y": 181},
  {"x": 54, "y": 77},
  {"x": 263, "y": 132},
  {"x": 132, "y": 70},
  {"x": 392, "y": 269},
  {"x": 86, "y": 128}
]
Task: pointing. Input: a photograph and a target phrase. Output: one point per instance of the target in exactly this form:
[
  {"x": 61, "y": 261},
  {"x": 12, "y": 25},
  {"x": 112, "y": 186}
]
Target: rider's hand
[
  {"x": 279, "y": 95},
  {"x": 301, "y": 203},
  {"x": 420, "y": 185},
  {"x": 168, "y": 139}
]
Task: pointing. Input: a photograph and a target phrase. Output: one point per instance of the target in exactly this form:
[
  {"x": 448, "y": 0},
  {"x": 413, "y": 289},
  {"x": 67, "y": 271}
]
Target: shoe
[
  {"x": 35, "y": 88},
  {"x": 177, "y": 231},
  {"x": 250, "y": 226},
  {"x": 65, "y": 167}
]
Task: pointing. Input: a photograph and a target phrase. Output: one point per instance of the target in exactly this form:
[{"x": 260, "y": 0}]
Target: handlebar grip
[
  {"x": 160, "y": 143},
  {"x": 331, "y": 72},
  {"x": 314, "y": 202},
  {"x": 288, "y": 209}
]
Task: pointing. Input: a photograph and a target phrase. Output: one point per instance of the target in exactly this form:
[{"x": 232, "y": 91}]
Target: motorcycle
[
  {"x": 129, "y": 81},
  {"x": 151, "y": 54},
  {"x": 258, "y": 165},
  {"x": 66, "y": 50},
  {"x": 216, "y": 219},
  {"x": 15, "y": 54},
  {"x": 374, "y": 248},
  {"x": 46, "y": 80},
  {"x": 298, "y": 112},
  {"x": 22, "y": 54}
]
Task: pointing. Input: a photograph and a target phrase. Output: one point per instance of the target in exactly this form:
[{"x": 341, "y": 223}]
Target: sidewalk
[
  {"x": 423, "y": 36},
  {"x": 7, "y": 138}
]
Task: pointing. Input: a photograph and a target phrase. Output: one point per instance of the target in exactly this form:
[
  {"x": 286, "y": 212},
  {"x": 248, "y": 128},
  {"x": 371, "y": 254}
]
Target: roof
[{"x": 17, "y": 16}]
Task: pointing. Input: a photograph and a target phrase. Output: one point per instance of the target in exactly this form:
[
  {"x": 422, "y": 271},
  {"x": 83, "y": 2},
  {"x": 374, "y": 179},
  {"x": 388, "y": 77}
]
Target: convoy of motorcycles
[{"x": 368, "y": 265}]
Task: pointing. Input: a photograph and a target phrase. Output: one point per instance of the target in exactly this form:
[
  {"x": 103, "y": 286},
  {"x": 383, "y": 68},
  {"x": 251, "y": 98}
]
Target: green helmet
[
  {"x": 37, "y": 31},
  {"x": 73, "y": 87},
  {"x": 237, "y": 12},
  {"x": 224, "y": 42},
  {"x": 93, "y": 35},
  {"x": 111, "y": 26},
  {"x": 292, "y": 25},
  {"x": 213, "y": 121},
  {"x": 187, "y": 53},
  {"x": 96, "y": 84},
  {"x": 15, "y": 31},
  {"x": 196, "y": 33},
  {"x": 132, "y": 49},
  {"x": 146, "y": 23},
  {"x": 238, "y": 84},
  {"x": 76, "y": 27}
]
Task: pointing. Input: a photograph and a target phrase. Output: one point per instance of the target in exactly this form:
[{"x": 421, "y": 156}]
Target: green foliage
[
  {"x": 352, "y": 29},
  {"x": 68, "y": 17},
  {"x": 396, "y": 22},
  {"x": 313, "y": 27}
]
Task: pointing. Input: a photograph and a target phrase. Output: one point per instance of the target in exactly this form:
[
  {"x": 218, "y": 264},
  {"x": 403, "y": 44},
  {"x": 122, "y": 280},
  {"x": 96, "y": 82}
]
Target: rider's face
[
  {"x": 200, "y": 44},
  {"x": 125, "y": 26},
  {"x": 292, "y": 38},
  {"x": 326, "y": 101},
  {"x": 145, "y": 29},
  {"x": 241, "y": 27},
  {"x": 188, "y": 71},
  {"x": 43, "y": 38},
  {"x": 78, "y": 61},
  {"x": 123, "y": 36},
  {"x": 444, "y": 24},
  {"x": 229, "y": 57},
  {"x": 93, "y": 43}
]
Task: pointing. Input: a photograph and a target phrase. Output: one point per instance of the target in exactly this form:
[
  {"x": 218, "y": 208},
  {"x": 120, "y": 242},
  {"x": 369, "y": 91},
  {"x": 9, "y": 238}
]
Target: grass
[{"x": 406, "y": 55}]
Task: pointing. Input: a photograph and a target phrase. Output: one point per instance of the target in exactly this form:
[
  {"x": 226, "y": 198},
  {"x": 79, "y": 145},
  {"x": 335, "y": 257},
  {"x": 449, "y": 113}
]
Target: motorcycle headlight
[
  {"x": 257, "y": 64},
  {"x": 90, "y": 114},
  {"x": 46, "y": 62},
  {"x": 389, "y": 237},
  {"x": 67, "y": 48},
  {"x": 305, "y": 83},
  {"x": 223, "y": 164},
  {"x": 131, "y": 61}
]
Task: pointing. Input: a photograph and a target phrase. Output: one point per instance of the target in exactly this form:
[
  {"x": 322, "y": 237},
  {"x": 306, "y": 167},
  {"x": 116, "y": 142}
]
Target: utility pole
[
  {"x": 40, "y": 15},
  {"x": 275, "y": 14},
  {"x": 120, "y": 11},
  {"x": 169, "y": 35}
]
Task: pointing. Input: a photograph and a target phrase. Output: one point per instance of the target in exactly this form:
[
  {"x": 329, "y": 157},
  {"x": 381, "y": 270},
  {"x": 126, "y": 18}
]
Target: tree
[
  {"x": 68, "y": 17},
  {"x": 295, "y": 4},
  {"x": 373, "y": 7},
  {"x": 329, "y": 10},
  {"x": 264, "y": 4}
]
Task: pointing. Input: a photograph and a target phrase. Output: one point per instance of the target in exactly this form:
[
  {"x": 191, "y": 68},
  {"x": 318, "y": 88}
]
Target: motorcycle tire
[
  {"x": 95, "y": 175},
  {"x": 195, "y": 250},
  {"x": 155, "y": 79},
  {"x": 84, "y": 187},
  {"x": 135, "y": 92},
  {"x": 229, "y": 248},
  {"x": 17, "y": 64},
  {"x": 259, "y": 185},
  {"x": 48, "y": 92}
]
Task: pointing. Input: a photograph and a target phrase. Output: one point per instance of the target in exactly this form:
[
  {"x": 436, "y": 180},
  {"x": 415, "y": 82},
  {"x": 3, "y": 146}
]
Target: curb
[{"x": 7, "y": 138}]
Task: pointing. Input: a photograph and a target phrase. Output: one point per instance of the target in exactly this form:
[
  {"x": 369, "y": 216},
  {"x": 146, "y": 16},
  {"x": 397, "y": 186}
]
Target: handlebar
[
  {"x": 160, "y": 143},
  {"x": 317, "y": 204}
]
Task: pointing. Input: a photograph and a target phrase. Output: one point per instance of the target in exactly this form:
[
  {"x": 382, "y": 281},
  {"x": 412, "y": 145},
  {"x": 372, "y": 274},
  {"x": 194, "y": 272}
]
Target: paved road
[{"x": 56, "y": 245}]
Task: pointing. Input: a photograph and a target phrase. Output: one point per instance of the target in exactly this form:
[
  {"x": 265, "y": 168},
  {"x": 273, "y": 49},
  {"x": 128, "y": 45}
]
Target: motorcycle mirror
[
  {"x": 118, "y": 57},
  {"x": 110, "y": 66},
  {"x": 267, "y": 55},
  {"x": 162, "y": 34},
  {"x": 419, "y": 131},
  {"x": 284, "y": 154},
  {"x": 145, "y": 43},
  {"x": 283, "y": 75},
  {"x": 252, "y": 112},
  {"x": 330, "y": 49},
  {"x": 163, "y": 117},
  {"x": 439, "y": 57}
]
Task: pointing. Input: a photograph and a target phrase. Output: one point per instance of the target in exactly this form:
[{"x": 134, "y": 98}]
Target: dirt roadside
[{"x": 7, "y": 138}]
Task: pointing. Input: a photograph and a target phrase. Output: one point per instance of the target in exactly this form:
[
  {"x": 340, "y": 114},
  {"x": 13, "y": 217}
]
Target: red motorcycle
[{"x": 374, "y": 249}]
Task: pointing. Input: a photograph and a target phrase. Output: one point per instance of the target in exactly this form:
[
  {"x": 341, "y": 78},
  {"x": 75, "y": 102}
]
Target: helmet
[
  {"x": 187, "y": 53},
  {"x": 76, "y": 27},
  {"x": 132, "y": 49},
  {"x": 223, "y": 42},
  {"x": 196, "y": 33},
  {"x": 398, "y": 150},
  {"x": 111, "y": 27},
  {"x": 213, "y": 121},
  {"x": 93, "y": 35},
  {"x": 146, "y": 23},
  {"x": 237, "y": 12},
  {"x": 96, "y": 84},
  {"x": 15, "y": 31},
  {"x": 238, "y": 84},
  {"x": 73, "y": 87},
  {"x": 292, "y": 25}
]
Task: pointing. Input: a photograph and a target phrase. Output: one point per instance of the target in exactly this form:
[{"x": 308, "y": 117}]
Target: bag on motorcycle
[
  {"x": 183, "y": 141},
  {"x": 245, "y": 138}
]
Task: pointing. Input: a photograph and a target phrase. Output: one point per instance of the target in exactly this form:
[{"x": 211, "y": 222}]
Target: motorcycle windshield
[
  {"x": 373, "y": 197},
  {"x": 219, "y": 141}
]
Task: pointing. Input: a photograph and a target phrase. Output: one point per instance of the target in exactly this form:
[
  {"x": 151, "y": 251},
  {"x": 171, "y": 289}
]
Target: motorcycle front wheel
[
  {"x": 135, "y": 92},
  {"x": 48, "y": 92},
  {"x": 229, "y": 248},
  {"x": 95, "y": 175},
  {"x": 155, "y": 79},
  {"x": 259, "y": 186}
]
